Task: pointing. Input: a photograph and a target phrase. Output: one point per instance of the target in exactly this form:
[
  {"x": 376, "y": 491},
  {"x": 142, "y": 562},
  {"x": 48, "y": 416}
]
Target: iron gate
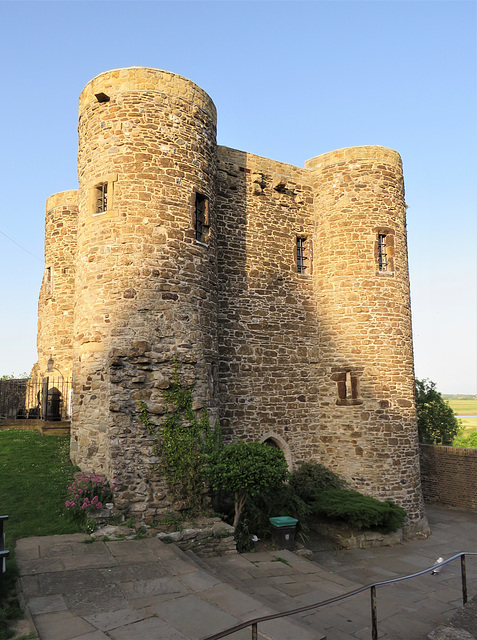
[{"x": 47, "y": 398}]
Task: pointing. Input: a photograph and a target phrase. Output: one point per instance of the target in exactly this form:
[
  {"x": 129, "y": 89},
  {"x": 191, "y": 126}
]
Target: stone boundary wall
[
  {"x": 346, "y": 538},
  {"x": 214, "y": 540},
  {"x": 449, "y": 476}
]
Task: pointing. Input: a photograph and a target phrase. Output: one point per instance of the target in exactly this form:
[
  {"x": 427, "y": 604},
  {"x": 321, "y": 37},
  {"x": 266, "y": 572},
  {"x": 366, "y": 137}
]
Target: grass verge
[{"x": 34, "y": 473}]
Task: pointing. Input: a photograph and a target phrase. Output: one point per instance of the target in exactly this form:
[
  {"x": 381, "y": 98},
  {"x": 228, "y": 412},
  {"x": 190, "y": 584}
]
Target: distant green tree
[
  {"x": 468, "y": 442},
  {"x": 436, "y": 422}
]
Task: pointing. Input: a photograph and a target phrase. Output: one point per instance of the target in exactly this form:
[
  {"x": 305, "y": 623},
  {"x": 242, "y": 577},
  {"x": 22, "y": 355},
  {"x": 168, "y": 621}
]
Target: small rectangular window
[
  {"x": 302, "y": 255},
  {"x": 382, "y": 252},
  {"x": 202, "y": 218},
  {"x": 101, "y": 198}
]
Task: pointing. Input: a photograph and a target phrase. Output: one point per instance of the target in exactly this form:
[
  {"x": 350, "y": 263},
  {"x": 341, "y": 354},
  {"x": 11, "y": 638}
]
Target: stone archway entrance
[{"x": 274, "y": 440}]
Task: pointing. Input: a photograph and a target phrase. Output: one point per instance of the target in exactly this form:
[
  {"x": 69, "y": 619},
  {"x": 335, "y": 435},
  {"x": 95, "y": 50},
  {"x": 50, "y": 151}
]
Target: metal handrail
[
  {"x": 3, "y": 554},
  {"x": 374, "y": 621}
]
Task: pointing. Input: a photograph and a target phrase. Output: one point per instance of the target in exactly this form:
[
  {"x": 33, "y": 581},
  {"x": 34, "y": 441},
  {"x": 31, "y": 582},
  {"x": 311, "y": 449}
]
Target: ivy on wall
[{"x": 183, "y": 442}]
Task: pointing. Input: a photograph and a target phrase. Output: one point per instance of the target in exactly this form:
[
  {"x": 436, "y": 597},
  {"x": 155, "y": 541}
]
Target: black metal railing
[
  {"x": 372, "y": 588},
  {"x": 3, "y": 554},
  {"x": 46, "y": 398}
]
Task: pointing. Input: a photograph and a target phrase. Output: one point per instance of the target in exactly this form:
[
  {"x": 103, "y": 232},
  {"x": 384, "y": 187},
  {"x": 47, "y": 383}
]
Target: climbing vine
[{"x": 183, "y": 443}]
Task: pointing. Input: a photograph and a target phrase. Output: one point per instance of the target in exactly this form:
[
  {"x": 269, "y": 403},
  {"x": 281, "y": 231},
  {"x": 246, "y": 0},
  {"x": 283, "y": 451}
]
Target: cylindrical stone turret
[
  {"x": 368, "y": 416},
  {"x": 146, "y": 267},
  {"x": 57, "y": 293}
]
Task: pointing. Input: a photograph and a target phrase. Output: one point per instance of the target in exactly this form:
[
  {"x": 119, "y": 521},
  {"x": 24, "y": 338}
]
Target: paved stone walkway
[{"x": 147, "y": 590}]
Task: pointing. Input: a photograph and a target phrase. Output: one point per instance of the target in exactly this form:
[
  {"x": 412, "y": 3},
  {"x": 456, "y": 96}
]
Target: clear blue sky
[{"x": 290, "y": 80}]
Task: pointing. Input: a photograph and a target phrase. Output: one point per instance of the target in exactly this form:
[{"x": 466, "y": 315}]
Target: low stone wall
[
  {"x": 449, "y": 476},
  {"x": 217, "y": 539},
  {"x": 346, "y": 538},
  {"x": 46, "y": 428}
]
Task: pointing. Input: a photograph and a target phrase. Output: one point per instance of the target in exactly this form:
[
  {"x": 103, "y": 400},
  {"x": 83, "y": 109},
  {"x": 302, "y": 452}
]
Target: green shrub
[
  {"x": 281, "y": 501},
  {"x": 436, "y": 422},
  {"x": 357, "y": 510},
  {"x": 311, "y": 477},
  {"x": 468, "y": 442},
  {"x": 246, "y": 469}
]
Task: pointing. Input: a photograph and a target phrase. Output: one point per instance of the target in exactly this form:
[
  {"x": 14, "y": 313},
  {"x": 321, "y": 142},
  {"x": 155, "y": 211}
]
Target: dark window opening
[
  {"x": 202, "y": 221},
  {"x": 382, "y": 252},
  {"x": 270, "y": 442},
  {"x": 48, "y": 280},
  {"x": 101, "y": 205},
  {"x": 302, "y": 256},
  {"x": 102, "y": 97},
  {"x": 348, "y": 388}
]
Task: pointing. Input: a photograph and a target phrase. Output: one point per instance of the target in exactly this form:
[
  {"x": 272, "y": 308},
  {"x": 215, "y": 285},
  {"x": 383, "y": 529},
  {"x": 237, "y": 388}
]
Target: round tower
[
  {"x": 146, "y": 275},
  {"x": 56, "y": 301},
  {"x": 368, "y": 426}
]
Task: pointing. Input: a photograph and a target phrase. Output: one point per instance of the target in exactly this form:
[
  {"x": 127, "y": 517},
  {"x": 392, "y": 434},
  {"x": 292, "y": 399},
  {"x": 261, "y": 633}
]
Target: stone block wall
[
  {"x": 268, "y": 330},
  {"x": 449, "y": 476},
  {"x": 316, "y": 360}
]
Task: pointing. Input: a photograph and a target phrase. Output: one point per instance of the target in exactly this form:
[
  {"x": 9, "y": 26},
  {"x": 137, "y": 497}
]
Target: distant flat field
[
  {"x": 464, "y": 407},
  {"x": 469, "y": 424}
]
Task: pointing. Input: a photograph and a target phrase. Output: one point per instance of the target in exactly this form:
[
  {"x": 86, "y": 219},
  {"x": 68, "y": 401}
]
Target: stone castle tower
[{"x": 282, "y": 292}]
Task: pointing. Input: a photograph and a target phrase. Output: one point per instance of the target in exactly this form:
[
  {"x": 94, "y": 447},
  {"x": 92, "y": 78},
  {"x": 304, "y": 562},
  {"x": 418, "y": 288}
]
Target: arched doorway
[
  {"x": 54, "y": 404},
  {"x": 274, "y": 440}
]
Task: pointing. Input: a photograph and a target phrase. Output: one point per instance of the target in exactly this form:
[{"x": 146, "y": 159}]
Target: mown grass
[{"x": 34, "y": 473}]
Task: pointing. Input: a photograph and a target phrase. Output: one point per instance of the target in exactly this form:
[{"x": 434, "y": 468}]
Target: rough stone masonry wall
[
  {"x": 268, "y": 337},
  {"x": 449, "y": 476},
  {"x": 265, "y": 345},
  {"x": 365, "y": 326},
  {"x": 57, "y": 293},
  {"x": 146, "y": 291}
]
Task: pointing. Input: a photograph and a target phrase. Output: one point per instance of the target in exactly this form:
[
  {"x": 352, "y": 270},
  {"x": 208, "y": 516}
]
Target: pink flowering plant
[{"x": 90, "y": 493}]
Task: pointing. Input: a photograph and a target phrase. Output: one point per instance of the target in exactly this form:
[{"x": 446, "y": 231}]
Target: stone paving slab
[
  {"x": 202, "y": 618},
  {"x": 132, "y": 589},
  {"x": 145, "y": 589},
  {"x": 61, "y": 625},
  {"x": 105, "y": 621},
  {"x": 234, "y": 602}
]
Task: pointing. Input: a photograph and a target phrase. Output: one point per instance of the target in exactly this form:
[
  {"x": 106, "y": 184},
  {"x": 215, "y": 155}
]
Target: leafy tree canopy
[
  {"x": 436, "y": 422},
  {"x": 245, "y": 469}
]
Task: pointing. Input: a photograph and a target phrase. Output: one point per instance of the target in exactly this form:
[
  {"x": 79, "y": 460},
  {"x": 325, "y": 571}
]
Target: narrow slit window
[
  {"x": 101, "y": 198},
  {"x": 382, "y": 252},
  {"x": 48, "y": 280},
  {"x": 347, "y": 388},
  {"x": 302, "y": 257},
  {"x": 202, "y": 218}
]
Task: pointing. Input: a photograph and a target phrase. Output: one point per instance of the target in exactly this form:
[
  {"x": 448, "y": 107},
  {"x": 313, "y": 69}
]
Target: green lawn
[{"x": 35, "y": 471}]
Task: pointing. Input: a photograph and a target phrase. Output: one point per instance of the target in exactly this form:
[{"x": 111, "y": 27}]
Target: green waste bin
[{"x": 283, "y": 532}]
